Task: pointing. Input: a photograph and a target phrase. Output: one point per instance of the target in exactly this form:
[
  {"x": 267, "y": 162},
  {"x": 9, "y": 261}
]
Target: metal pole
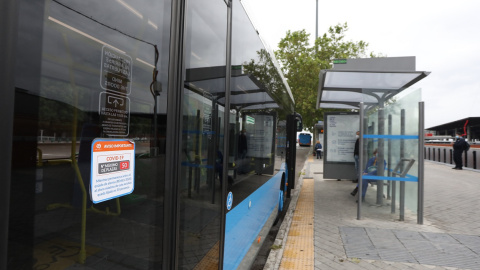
[
  {"x": 380, "y": 152},
  {"x": 466, "y": 159},
  {"x": 316, "y": 24},
  {"x": 154, "y": 152},
  {"x": 389, "y": 159},
  {"x": 390, "y": 195},
  {"x": 171, "y": 228},
  {"x": 402, "y": 156},
  {"x": 226, "y": 137},
  {"x": 8, "y": 30},
  {"x": 421, "y": 143},
  {"x": 474, "y": 160},
  {"x": 360, "y": 163},
  {"x": 451, "y": 158},
  {"x": 197, "y": 158},
  {"x": 370, "y": 145}
]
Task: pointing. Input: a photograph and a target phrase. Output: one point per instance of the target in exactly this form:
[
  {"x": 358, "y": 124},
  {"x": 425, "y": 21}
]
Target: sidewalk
[{"x": 448, "y": 239}]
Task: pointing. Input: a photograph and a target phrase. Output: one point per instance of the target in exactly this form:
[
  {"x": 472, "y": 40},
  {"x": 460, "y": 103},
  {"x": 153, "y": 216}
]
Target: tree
[
  {"x": 266, "y": 72},
  {"x": 301, "y": 64}
]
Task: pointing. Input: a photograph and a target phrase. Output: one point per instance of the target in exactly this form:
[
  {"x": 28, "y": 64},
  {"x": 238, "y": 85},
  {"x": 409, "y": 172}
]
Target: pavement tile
[
  {"x": 439, "y": 237},
  {"x": 448, "y": 239},
  {"x": 408, "y": 235}
]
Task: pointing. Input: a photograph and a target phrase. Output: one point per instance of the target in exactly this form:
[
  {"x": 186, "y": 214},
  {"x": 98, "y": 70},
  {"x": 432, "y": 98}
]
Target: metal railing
[{"x": 444, "y": 154}]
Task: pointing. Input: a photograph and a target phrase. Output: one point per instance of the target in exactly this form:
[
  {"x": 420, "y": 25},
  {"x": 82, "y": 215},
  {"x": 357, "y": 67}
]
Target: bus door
[{"x": 294, "y": 124}]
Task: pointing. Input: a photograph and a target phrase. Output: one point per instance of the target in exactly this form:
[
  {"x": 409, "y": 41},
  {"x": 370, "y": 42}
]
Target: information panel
[
  {"x": 112, "y": 169},
  {"x": 260, "y": 135},
  {"x": 340, "y": 137},
  {"x": 114, "y": 114},
  {"x": 116, "y": 71},
  {"x": 116, "y": 79}
]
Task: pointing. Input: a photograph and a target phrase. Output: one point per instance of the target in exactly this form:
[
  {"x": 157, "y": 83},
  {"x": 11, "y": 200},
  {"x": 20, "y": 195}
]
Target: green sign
[
  {"x": 250, "y": 120},
  {"x": 339, "y": 61}
]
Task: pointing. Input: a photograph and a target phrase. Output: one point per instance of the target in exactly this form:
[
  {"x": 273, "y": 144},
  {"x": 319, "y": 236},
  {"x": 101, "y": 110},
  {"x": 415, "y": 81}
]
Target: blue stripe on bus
[{"x": 245, "y": 223}]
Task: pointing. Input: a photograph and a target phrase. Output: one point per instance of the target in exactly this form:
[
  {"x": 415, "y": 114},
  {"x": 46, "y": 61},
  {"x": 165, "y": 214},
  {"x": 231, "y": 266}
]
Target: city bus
[
  {"x": 304, "y": 139},
  {"x": 140, "y": 135}
]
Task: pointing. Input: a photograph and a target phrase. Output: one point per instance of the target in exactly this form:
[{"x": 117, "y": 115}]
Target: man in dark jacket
[
  {"x": 356, "y": 153},
  {"x": 458, "y": 146},
  {"x": 242, "y": 152}
]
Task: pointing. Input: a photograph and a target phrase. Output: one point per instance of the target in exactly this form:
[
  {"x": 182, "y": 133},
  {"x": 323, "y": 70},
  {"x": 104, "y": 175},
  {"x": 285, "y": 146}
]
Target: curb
[{"x": 275, "y": 256}]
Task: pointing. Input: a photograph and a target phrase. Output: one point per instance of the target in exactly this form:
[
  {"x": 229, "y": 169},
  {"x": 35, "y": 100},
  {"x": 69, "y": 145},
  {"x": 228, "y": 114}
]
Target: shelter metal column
[
  {"x": 361, "y": 161},
  {"x": 380, "y": 151},
  {"x": 421, "y": 143},
  {"x": 213, "y": 148},
  {"x": 389, "y": 159},
  {"x": 402, "y": 156}
]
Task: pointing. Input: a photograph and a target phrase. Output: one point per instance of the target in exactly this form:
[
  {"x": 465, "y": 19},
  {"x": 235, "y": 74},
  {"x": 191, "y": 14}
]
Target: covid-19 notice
[{"x": 112, "y": 169}]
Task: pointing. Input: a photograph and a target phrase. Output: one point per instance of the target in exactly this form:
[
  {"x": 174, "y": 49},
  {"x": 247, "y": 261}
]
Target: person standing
[
  {"x": 318, "y": 150},
  {"x": 458, "y": 146},
  {"x": 242, "y": 151},
  {"x": 356, "y": 154}
]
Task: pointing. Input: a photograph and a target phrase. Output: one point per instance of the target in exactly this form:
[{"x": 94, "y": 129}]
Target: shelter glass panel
[{"x": 391, "y": 138}]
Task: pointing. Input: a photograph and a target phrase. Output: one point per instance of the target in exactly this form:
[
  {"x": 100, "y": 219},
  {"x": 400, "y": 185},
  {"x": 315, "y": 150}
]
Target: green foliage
[
  {"x": 266, "y": 73},
  {"x": 301, "y": 63}
]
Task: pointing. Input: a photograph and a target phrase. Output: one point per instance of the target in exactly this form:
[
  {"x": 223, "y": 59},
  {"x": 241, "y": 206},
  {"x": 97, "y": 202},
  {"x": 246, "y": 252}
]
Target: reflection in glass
[
  {"x": 260, "y": 101},
  {"x": 84, "y": 71},
  {"x": 202, "y": 143}
]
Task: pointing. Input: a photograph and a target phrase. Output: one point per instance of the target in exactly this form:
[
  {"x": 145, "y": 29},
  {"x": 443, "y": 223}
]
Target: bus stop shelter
[{"x": 391, "y": 120}]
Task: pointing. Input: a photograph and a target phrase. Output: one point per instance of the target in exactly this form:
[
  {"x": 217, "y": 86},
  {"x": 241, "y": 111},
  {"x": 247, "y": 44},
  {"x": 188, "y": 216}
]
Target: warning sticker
[
  {"x": 116, "y": 72},
  {"x": 112, "y": 169},
  {"x": 114, "y": 114}
]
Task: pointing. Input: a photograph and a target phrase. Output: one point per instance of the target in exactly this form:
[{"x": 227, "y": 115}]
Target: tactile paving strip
[
  {"x": 299, "y": 249},
  {"x": 210, "y": 261}
]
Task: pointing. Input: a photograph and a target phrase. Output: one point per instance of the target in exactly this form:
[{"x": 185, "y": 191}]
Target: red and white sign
[{"x": 112, "y": 169}]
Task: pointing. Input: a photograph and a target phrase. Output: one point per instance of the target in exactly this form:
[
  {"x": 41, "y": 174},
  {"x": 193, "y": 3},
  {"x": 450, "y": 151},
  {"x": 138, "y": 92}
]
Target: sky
[{"x": 444, "y": 36}]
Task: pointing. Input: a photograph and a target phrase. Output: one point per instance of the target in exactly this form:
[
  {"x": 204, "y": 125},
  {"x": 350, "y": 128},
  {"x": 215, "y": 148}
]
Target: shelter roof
[
  {"x": 369, "y": 80},
  {"x": 472, "y": 122},
  {"x": 246, "y": 91}
]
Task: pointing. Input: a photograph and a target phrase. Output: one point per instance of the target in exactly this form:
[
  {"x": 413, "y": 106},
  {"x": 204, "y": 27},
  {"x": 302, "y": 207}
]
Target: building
[{"x": 470, "y": 126}]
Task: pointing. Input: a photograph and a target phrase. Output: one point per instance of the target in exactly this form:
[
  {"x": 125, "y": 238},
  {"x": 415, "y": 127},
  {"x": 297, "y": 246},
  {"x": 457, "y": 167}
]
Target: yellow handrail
[{"x": 40, "y": 157}]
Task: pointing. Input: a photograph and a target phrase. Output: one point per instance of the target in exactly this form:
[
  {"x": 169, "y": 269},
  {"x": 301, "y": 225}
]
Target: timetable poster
[
  {"x": 260, "y": 135},
  {"x": 341, "y": 131}
]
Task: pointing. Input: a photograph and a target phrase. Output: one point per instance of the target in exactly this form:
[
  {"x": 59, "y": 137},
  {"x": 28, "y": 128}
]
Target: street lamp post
[{"x": 316, "y": 25}]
